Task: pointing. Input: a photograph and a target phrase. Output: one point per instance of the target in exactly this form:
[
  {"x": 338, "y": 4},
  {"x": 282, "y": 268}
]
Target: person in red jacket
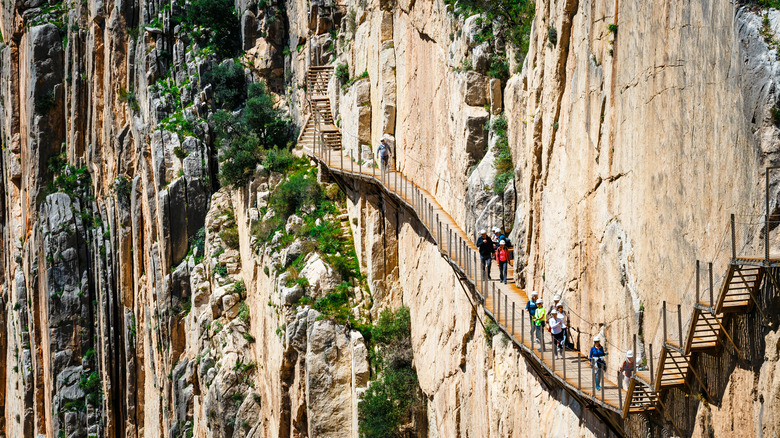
[{"x": 502, "y": 257}]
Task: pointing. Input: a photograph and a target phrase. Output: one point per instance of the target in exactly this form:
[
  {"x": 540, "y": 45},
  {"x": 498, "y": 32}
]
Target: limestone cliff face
[{"x": 140, "y": 299}]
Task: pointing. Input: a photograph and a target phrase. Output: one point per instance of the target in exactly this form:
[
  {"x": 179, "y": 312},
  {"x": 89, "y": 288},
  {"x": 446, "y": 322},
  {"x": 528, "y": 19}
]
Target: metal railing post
[
  {"x": 652, "y": 376},
  {"x": 697, "y": 282},
  {"x": 712, "y": 295},
  {"x": 664, "y": 320},
  {"x": 579, "y": 372},
  {"x": 679, "y": 325},
  {"x": 506, "y": 309},
  {"x": 593, "y": 382},
  {"x": 733, "y": 238},
  {"x": 563, "y": 359},
  {"x": 602, "y": 385},
  {"x": 513, "y": 319},
  {"x": 620, "y": 391},
  {"x": 498, "y": 318}
]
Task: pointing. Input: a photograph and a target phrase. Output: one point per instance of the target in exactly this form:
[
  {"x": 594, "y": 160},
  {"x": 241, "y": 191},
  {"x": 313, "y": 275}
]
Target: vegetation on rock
[
  {"x": 393, "y": 398},
  {"x": 245, "y": 140},
  {"x": 513, "y": 18},
  {"x": 504, "y": 166}
]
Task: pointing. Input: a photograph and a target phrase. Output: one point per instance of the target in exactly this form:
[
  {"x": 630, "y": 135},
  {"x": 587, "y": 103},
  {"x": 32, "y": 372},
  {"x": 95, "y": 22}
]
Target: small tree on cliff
[{"x": 244, "y": 141}]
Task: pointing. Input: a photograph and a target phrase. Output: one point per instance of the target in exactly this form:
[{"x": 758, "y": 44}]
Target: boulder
[
  {"x": 475, "y": 91},
  {"x": 293, "y": 225},
  {"x": 321, "y": 276}
]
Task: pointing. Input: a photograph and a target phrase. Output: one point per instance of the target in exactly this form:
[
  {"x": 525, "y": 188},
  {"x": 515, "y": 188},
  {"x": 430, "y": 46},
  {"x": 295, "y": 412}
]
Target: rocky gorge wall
[{"x": 141, "y": 299}]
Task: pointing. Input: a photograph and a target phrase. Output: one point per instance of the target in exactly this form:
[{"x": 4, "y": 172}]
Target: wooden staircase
[
  {"x": 320, "y": 119},
  {"x": 740, "y": 287},
  {"x": 706, "y": 330}
]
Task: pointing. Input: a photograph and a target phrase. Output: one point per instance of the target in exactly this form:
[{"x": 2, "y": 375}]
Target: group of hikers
[
  {"x": 495, "y": 247},
  {"x": 557, "y": 323}
]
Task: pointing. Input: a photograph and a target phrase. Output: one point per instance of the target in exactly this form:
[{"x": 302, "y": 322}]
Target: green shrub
[
  {"x": 552, "y": 35},
  {"x": 342, "y": 73},
  {"x": 491, "y": 329},
  {"x": 394, "y": 397},
  {"x": 129, "y": 98},
  {"x": 498, "y": 67},
  {"x": 503, "y": 161},
  {"x": 513, "y": 17},
  {"x": 245, "y": 141},
  {"x": 219, "y": 16},
  {"x": 229, "y": 235},
  {"x": 44, "y": 103},
  {"x": 299, "y": 189},
  {"x": 389, "y": 401},
  {"x": 229, "y": 84},
  {"x": 280, "y": 160},
  {"x": 122, "y": 187},
  {"x": 335, "y": 305}
]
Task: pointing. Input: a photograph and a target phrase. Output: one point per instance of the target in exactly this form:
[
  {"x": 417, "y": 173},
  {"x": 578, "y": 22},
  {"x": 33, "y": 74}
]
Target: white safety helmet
[
  {"x": 597, "y": 338},
  {"x": 534, "y": 294},
  {"x": 557, "y": 298},
  {"x": 630, "y": 354},
  {"x": 482, "y": 231},
  {"x": 539, "y": 301},
  {"x": 503, "y": 242}
]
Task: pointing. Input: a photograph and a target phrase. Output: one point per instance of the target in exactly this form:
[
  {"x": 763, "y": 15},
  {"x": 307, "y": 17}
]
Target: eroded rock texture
[{"x": 141, "y": 299}]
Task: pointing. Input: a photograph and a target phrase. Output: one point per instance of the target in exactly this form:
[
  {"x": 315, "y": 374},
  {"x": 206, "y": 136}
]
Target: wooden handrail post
[
  {"x": 712, "y": 296},
  {"x": 593, "y": 382},
  {"x": 620, "y": 391}
]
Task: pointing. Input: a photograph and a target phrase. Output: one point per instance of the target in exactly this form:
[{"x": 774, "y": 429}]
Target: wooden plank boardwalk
[{"x": 505, "y": 303}]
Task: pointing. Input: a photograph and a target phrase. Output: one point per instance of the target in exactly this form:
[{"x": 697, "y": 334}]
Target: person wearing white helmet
[
  {"x": 556, "y": 300},
  {"x": 628, "y": 367},
  {"x": 555, "y": 325},
  {"x": 502, "y": 257},
  {"x": 530, "y": 307},
  {"x": 539, "y": 317},
  {"x": 597, "y": 358},
  {"x": 485, "y": 247}
]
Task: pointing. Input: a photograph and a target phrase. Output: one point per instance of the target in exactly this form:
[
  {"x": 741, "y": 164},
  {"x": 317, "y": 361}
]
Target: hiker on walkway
[
  {"x": 540, "y": 315},
  {"x": 562, "y": 319},
  {"x": 597, "y": 358},
  {"x": 496, "y": 237},
  {"x": 628, "y": 367},
  {"x": 383, "y": 153},
  {"x": 555, "y": 325},
  {"x": 502, "y": 257},
  {"x": 530, "y": 307},
  {"x": 556, "y": 300},
  {"x": 485, "y": 246}
]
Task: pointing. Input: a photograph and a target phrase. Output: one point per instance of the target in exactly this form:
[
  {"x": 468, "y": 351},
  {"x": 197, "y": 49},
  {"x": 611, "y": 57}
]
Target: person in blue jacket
[{"x": 597, "y": 358}]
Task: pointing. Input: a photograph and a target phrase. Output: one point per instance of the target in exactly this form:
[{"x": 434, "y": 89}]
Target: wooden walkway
[{"x": 505, "y": 303}]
